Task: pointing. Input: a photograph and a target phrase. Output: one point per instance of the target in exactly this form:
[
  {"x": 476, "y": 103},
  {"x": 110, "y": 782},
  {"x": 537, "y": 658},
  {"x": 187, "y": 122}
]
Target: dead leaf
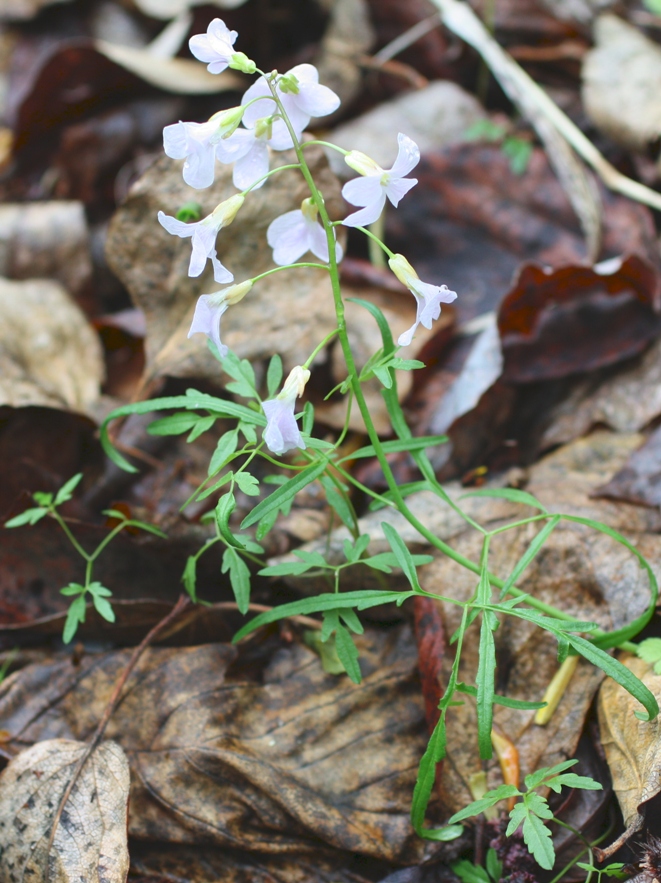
[
  {"x": 622, "y": 83},
  {"x": 49, "y": 353},
  {"x": 632, "y": 746},
  {"x": 576, "y": 319},
  {"x": 288, "y": 312},
  {"x": 638, "y": 481},
  {"x": 271, "y": 755},
  {"x": 46, "y": 239},
  {"x": 90, "y": 841}
]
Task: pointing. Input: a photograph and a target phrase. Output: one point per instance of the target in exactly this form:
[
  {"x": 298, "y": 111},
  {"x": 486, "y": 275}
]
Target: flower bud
[
  {"x": 309, "y": 209},
  {"x": 225, "y": 213},
  {"x": 264, "y": 128},
  {"x": 288, "y": 84},
  {"x": 241, "y": 62},
  {"x": 402, "y": 269},
  {"x": 362, "y": 163},
  {"x": 295, "y": 383},
  {"x": 228, "y": 120},
  {"x": 235, "y": 293}
]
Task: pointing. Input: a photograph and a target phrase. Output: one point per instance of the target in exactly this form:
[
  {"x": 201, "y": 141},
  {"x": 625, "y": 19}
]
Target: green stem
[
  {"x": 375, "y": 238},
  {"x": 289, "y": 267},
  {"x": 259, "y": 181},
  {"x": 74, "y": 542},
  {"x": 319, "y": 347},
  {"x": 326, "y": 144}
]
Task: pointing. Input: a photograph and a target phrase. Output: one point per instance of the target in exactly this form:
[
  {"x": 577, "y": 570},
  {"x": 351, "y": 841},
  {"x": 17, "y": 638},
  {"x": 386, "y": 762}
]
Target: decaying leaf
[
  {"x": 49, "y": 354},
  {"x": 261, "y": 751},
  {"x": 288, "y": 312},
  {"x": 639, "y": 480},
  {"x": 622, "y": 83},
  {"x": 632, "y": 746},
  {"x": 90, "y": 841},
  {"x": 46, "y": 239}
]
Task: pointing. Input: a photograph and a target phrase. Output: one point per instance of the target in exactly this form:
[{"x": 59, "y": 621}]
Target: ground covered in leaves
[{"x": 258, "y": 761}]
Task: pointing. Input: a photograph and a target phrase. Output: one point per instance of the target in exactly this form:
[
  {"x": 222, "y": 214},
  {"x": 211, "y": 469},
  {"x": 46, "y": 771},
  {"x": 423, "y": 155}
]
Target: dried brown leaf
[
  {"x": 632, "y": 746},
  {"x": 49, "y": 354},
  {"x": 90, "y": 841}
]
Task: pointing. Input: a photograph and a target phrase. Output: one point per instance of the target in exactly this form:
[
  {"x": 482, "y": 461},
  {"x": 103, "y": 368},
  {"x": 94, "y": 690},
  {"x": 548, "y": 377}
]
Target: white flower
[
  {"x": 248, "y": 150},
  {"x": 428, "y": 297},
  {"x": 302, "y": 97},
  {"x": 216, "y": 47},
  {"x": 296, "y": 232},
  {"x": 282, "y": 432},
  {"x": 210, "y": 308},
  {"x": 197, "y": 143},
  {"x": 371, "y": 190},
  {"x": 203, "y": 234}
]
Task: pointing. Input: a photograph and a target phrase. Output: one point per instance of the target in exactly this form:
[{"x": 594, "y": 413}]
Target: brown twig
[{"x": 183, "y": 602}]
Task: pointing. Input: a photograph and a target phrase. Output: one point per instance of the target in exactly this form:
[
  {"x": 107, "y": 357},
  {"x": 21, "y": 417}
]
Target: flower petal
[
  {"x": 220, "y": 273},
  {"x": 408, "y": 156},
  {"x": 288, "y": 237},
  {"x": 318, "y": 244},
  {"x": 177, "y": 228},
  {"x": 264, "y": 108},
  {"x": 317, "y": 100},
  {"x": 175, "y": 141},
  {"x": 399, "y": 187},
  {"x": 237, "y": 145},
  {"x": 206, "y": 320},
  {"x": 364, "y": 190},
  {"x": 366, "y": 215},
  {"x": 282, "y": 433},
  {"x": 252, "y": 166},
  {"x": 200, "y": 168}
]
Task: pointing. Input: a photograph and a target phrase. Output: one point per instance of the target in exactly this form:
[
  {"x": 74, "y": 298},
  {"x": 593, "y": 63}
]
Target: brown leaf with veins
[
  {"x": 632, "y": 746},
  {"x": 90, "y": 841},
  {"x": 254, "y": 748}
]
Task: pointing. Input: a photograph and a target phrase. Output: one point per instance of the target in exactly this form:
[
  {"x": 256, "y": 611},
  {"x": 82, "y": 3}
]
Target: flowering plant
[{"x": 272, "y": 116}]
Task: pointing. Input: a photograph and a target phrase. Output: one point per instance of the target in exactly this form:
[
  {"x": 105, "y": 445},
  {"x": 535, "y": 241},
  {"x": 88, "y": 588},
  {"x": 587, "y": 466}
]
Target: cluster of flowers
[{"x": 243, "y": 136}]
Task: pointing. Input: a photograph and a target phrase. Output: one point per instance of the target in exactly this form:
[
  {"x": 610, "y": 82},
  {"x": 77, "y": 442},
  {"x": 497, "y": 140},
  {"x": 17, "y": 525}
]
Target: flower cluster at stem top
[{"x": 273, "y": 115}]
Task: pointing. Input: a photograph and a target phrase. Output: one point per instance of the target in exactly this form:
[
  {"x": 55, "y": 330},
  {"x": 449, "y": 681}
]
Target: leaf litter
[{"x": 257, "y": 762}]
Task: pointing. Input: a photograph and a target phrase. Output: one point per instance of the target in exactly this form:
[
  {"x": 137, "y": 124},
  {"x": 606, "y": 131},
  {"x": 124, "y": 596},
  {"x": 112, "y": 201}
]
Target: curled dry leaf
[
  {"x": 622, "y": 83},
  {"x": 632, "y": 746},
  {"x": 90, "y": 841},
  {"x": 48, "y": 239},
  {"x": 288, "y": 312},
  {"x": 49, "y": 354}
]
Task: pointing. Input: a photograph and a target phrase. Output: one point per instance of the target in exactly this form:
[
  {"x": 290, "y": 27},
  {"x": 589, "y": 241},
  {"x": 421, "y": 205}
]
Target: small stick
[{"x": 183, "y": 602}]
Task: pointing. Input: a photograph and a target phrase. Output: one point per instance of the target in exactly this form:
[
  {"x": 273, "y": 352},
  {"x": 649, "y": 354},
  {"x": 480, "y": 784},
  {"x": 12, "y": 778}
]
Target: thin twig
[{"x": 183, "y": 602}]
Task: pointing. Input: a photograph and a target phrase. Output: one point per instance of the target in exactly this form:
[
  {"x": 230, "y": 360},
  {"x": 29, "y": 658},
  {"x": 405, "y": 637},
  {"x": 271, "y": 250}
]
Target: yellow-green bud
[
  {"x": 295, "y": 382},
  {"x": 402, "y": 269},
  {"x": 225, "y": 213},
  {"x": 241, "y": 62},
  {"x": 362, "y": 163},
  {"x": 228, "y": 120},
  {"x": 309, "y": 209}
]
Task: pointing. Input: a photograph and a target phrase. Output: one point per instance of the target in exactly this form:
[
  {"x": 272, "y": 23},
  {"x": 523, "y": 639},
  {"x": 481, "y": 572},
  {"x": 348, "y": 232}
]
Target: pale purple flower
[
  {"x": 203, "y": 234},
  {"x": 210, "y": 309},
  {"x": 216, "y": 47},
  {"x": 302, "y": 97},
  {"x": 376, "y": 183},
  {"x": 197, "y": 144},
  {"x": 282, "y": 432},
  {"x": 296, "y": 232},
  {"x": 428, "y": 297}
]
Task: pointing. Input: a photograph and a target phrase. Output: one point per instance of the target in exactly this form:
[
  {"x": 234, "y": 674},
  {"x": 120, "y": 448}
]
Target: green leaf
[
  {"x": 434, "y": 753},
  {"x": 202, "y": 495},
  {"x": 274, "y": 375},
  {"x": 307, "y": 422},
  {"x": 381, "y": 321},
  {"x": 266, "y": 523},
  {"x": 618, "y": 672},
  {"x": 507, "y": 493},
  {"x": 448, "y": 832},
  {"x": 339, "y": 503},
  {"x": 533, "y": 780},
  {"x": 470, "y": 873},
  {"x": 189, "y": 577},
  {"x": 491, "y": 798},
  {"x": 537, "y": 805},
  {"x": 485, "y": 682},
  {"x": 571, "y": 780},
  {"x": 248, "y": 432},
  {"x": 227, "y": 445},
  {"x": 239, "y": 578},
  {"x": 382, "y": 373},
  {"x": 148, "y": 528},
  {"x": 530, "y": 553},
  {"x": 73, "y": 589},
  {"x": 193, "y": 400},
  {"x": 347, "y": 653},
  {"x": 361, "y": 600},
  {"x": 285, "y": 492},
  {"x": 66, "y": 491},
  {"x": 286, "y": 568},
  {"x": 248, "y": 483},
  {"x": 494, "y": 865},
  {"x": 402, "y": 554},
  {"x": 75, "y": 615},
  {"x": 173, "y": 424},
  {"x": 405, "y": 364},
  {"x": 351, "y": 620},
  {"x": 537, "y": 838},
  {"x": 503, "y": 700},
  {"x": 649, "y": 650},
  {"x": 242, "y": 372},
  {"x": 224, "y": 508},
  {"x": 202, "y": 425},
  {"x": 30, "y": 516},
  {"x": 517, "y": 816},
  {"x": 397, "y": 445},
  {"x": 353, "y": 551},
  {"x": 325, "y": 650},
  {"x": 42, "y": 498},
  {"x": 96, "y": 588},
  {"x": 103, "y": 608}
]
